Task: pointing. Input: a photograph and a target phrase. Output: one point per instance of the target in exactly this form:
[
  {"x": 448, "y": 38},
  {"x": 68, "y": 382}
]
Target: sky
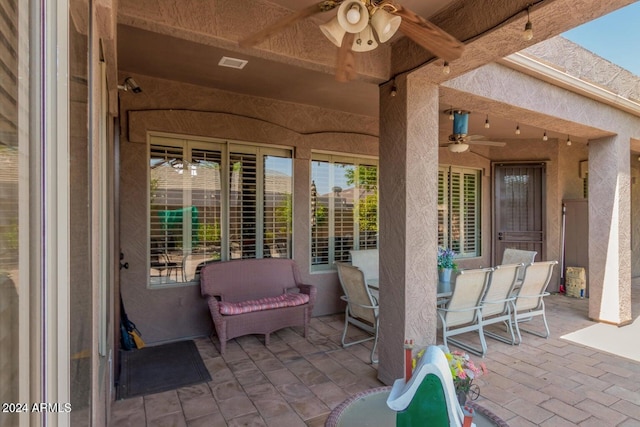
[{"x": 615, "y": 37}]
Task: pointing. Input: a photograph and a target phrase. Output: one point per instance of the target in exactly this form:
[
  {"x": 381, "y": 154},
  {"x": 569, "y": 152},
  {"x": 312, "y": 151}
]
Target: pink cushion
[{"x": 284, "y": 300}]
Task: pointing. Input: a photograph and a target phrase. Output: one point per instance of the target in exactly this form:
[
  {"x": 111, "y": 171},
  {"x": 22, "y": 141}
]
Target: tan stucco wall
[{"x": 165, "y": 106}]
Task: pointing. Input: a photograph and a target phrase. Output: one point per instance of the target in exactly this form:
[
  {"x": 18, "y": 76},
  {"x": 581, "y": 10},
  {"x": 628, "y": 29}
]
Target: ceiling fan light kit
[
  {"x": 360, "y": 25},
  {"x": 353, "y": 16},
  {"x": 385, "y": 24},
  {"x": 458, "y": 147},
  {"x": 364, "y": 41},
  {"x": 333, "y": 31}
]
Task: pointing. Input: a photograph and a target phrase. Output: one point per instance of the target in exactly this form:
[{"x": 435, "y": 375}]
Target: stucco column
[
  {"x": 408, "y": 220},
  {"x": 610, "y": 230}
]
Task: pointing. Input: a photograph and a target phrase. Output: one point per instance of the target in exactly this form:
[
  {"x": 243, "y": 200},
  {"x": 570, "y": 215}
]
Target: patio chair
[
  {"x": 362, "y": 309},
  {"x": 529, "y": 300},
  {"x": 367, "y": 261},
  {"x": 517, "y": 256},
  {"x": 159, "y": 260},
  {"x": 498, "y": 301},
  {"x": 463, "y": 312}
]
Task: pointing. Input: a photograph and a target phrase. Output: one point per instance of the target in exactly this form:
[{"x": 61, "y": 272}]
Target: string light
[
  {"x": 544, "y": 137},
  {"x": 394, "y": 90},
  {"x": 487, "y": 125},
  {"x": 518, "y": 129},
  {"x": 446, "y": 69},
  {"x": 451, "y": 113},
  {"x": 527, "y": 34},
  {"x": 568, "y": 140}
]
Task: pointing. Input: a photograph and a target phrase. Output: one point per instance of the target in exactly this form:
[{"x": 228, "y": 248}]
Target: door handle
[{"x": 124, "y": 265}]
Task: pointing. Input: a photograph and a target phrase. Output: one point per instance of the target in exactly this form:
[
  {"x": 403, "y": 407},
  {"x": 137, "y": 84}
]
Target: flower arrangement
[
  {"x": 463, "y": 371},
  {"x": 446, "y": 258}
]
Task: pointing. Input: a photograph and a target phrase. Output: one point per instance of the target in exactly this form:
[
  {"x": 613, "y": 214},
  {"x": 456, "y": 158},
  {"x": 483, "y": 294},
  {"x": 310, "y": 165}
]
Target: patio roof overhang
[{"x": 160, "y": 40}]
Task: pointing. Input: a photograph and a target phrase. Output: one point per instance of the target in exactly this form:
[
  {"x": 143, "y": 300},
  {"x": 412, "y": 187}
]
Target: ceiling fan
[
  {"x": 360, "y": 24},
  {"x": 459, "y": 141}
]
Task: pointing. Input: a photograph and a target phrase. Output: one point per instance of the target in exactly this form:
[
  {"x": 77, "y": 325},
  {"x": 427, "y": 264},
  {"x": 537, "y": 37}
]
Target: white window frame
[
  {"x": 356, "y": 161},
  {"x": 226, "y": 148},
  {"x": 446, "y": 209}
]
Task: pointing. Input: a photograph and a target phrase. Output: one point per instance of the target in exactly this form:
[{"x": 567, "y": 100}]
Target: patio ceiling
[{"x": 183, "y": 41}]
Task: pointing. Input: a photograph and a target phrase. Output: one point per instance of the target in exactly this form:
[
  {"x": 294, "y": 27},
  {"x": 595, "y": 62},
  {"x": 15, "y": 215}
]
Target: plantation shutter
[
  {"x": 344, "y": 218},
  {"x": 456, "y": 214},
  {"x": 206, "y": 202},
  {"x": 277, "y": 206},
  {"x": 367, "y": 203},
  {"x": 443, "y": 207},
  {"x": 471, "y": 213},
  {"x": 459, "y": 210},
  {"x": 242, "y": 205},
  {"x": 320, "y": 221},
  {"x": 167, "y": 167}
]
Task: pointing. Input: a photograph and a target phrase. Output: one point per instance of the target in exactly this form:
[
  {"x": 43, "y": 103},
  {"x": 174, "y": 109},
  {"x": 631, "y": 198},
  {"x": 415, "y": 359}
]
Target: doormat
[{"x": 161, "y": 368}]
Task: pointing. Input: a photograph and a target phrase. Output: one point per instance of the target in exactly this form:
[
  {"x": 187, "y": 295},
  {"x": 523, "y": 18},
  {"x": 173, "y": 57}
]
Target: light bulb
[
  {"x": 450, "y": 114},
  {"x": 527, "y": 34},
  {"x": 517, "y": 129},
  {"x": 568, "y": 140},
  {"x": 446, "y": 69},
  {"x": 353, "y": 15},
  {"x": 544, "y": 137},
  {"x": 487, "y": 125},
  {"x": 394, "y": 91}
]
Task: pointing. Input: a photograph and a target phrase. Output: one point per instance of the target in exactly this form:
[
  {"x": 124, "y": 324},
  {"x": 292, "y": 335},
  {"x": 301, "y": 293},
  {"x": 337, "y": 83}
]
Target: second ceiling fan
[
  {"x": 360, "y": 24},
  {"x": 459, "y": 140}
]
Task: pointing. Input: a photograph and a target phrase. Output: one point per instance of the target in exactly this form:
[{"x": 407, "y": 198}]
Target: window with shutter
[
  {"x": 443, "y": 207},
  {"x": 242, "y": 205},
  {"x": 344, "y": 208},
  {"x": 459, "y": 210},
  {"x": 211, "y": 201},
  {"x": 278, "y": 207}
]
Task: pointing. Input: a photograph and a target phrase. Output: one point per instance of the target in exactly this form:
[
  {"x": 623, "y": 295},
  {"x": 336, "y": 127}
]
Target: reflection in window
[
  {"x": 196, "y": 217},
  {"x": 459, "y": 210},
  {"x": 344, "y": 208}
]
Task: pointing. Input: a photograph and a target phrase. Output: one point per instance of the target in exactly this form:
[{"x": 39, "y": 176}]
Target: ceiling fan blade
[
  {"x": 287, "y": 21},
  {"x": 429, "y": 36},
  {"x": 491, "y": 143},
  {"x": 346, "y": 63}
]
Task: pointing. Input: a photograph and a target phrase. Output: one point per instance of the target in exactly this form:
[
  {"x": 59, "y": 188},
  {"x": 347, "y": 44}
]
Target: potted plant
[{"x": 446, "y": 264}]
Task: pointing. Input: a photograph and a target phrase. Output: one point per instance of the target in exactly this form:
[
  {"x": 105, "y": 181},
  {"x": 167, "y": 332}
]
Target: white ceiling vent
[{"x": 226, "y": 61}]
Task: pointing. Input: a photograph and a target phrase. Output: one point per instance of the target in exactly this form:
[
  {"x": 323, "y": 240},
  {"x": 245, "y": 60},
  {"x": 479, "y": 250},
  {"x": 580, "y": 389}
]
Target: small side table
[{"x": 369, "y": 409}]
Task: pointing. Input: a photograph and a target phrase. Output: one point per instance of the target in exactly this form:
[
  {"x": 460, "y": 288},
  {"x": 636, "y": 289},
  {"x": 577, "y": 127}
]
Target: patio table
[
  {"x": 444, "y": 289},
  {"x": 369, "y": 409}
]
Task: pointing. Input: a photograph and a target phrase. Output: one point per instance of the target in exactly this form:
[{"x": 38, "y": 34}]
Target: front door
[{"x": 519, "y": 206}]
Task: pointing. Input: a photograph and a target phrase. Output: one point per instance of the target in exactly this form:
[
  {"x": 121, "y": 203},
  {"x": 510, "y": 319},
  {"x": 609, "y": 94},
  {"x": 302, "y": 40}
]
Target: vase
[
  {"x": 462, "y": 397},
  {"x": 444, "y": 275}
]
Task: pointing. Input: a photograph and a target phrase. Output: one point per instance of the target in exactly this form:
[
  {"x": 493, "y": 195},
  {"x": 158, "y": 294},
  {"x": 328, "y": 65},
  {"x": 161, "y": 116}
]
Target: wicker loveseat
[{"x": 256, "y": 296}]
